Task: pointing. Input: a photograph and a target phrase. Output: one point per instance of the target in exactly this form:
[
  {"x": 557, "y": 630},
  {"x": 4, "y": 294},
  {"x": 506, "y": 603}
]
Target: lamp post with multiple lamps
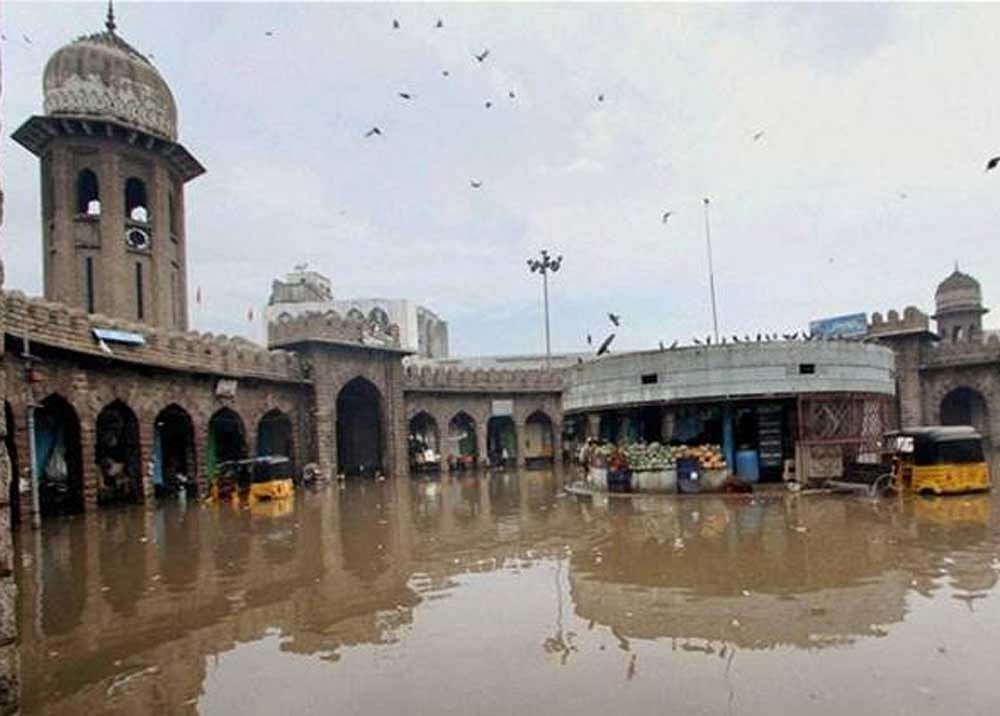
[{"x": 547, "y": 264}]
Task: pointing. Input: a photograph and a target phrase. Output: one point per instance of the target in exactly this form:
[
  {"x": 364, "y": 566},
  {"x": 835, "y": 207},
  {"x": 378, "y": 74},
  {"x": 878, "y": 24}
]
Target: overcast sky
[{"x": 866, "y": 186}]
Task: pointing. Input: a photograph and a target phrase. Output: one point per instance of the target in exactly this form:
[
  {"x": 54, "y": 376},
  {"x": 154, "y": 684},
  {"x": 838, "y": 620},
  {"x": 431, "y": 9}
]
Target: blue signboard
[
  {"x": 113, "y": 336},
  {"x": 852, "y": 325}
]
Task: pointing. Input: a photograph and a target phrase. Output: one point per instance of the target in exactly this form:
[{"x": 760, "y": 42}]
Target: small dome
[
  {"x": 103, "y": 77},
  {"x": 958, "y": 292}
]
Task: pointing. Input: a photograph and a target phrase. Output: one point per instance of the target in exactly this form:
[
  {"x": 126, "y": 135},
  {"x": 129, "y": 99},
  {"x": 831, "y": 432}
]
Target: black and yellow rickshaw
[
  {"x": 254, "y": 480},
  {"x": 937, "y": 460}
]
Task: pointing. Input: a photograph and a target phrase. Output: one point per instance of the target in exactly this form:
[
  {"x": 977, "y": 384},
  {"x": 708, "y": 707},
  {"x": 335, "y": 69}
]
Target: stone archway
[
  {"x": 360, "y": 439},
  {"x": 501, "y": 440},
  {"x": 58, "y": 457},
  {"x": 461, "y": 441},
  {"x": 424, "y": 442},
  {"x": 967, "y": 406},
  {"x": 226, "y": 439},
  {"x": 118, "y": 454},
  {"x": 174, "y": 461},
  {"x": 539, "y": 438},
  {"x": 275, "y": 435}
]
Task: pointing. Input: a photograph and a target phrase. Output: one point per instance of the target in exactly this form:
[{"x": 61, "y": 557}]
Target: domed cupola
[
  {"x": 102, "y": 76},
  {"x": 959, "y": 307}
]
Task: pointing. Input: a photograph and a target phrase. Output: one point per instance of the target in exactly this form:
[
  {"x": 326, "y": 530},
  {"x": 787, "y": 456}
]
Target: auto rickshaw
[
  {"x": 253, "y": 480},
  {"x": 938, "y": 460}
]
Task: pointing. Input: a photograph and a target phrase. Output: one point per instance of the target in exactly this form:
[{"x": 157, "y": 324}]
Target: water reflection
[{"x": 129, "y": 610}]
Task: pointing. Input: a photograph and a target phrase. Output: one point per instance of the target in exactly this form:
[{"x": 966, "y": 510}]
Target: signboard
[
  {"x": 853, "y": 325},
  {"x": 502, "y": 407},
  {"x": 112, "y": 336}
]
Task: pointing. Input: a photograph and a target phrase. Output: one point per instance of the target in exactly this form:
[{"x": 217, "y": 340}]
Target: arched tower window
[
  {"x": 136, "y": 203},
  {"x": 88, "y": 195},
  {"x": 175, "y": 222},
  {"x": 956, "y": 334}
]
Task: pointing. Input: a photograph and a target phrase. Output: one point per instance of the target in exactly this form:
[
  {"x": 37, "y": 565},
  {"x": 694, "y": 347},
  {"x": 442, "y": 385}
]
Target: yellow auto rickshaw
[
  {"x": 253, "y": 480},
  {"x": 938, "y": 460}
]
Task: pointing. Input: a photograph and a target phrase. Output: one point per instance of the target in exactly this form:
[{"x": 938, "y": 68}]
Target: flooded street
[{"x": 500, "y": 594}]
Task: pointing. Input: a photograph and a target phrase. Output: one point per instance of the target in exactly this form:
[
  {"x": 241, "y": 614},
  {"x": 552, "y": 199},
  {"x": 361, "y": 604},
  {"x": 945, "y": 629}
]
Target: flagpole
[{"x": 711, "y": 273}]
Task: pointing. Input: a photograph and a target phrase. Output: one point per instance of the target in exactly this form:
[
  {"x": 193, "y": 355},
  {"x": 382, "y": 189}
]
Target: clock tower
[{"x": 113, "y": 177}]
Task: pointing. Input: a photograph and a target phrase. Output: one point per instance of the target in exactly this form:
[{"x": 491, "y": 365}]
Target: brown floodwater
[{"x": 499, "y": 594}]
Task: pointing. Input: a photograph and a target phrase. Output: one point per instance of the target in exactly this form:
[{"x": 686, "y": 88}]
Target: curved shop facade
[{"x": 811, "y": 406}]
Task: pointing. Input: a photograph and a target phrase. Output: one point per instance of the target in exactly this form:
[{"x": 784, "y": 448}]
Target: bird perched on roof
[
  {"x": 590, "y": 341},
  {"x": 603, "y": 348},
  {"x": 373, "y": 131},
  {"x": 758, "y": 338},
  {"x": 992, "y": 164},
  {"x": 746, "y": 338},
  {"x": 673, "y": 345},
  {"x": 482, "y": 55},
  {"x": 615, "y": 319},
  {"x": 736, "y": 339},
  {"x": 696, "y": 341},
  {"x": 662, "y": 347}
]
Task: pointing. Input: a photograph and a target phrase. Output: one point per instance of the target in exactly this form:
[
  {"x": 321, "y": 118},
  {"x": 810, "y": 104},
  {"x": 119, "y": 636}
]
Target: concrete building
[{"x": 421, "y": 331}]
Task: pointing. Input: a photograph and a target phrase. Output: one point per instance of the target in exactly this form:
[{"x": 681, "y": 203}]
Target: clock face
[{"x": 137, "y": 239}]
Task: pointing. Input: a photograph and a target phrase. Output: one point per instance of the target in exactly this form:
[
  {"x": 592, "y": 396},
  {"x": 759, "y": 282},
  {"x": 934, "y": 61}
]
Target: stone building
[
  {"x": 948, "y": 375},
  {"x": 126, "y": 401},
  {"x": 421, "y": 331}
]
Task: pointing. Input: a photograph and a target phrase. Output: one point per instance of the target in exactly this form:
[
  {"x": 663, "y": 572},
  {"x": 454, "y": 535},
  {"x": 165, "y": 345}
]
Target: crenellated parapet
[
  {"x": 331, "y": 327},
  {"x": 948, "y": 354},
  {"x": 913, "y": 321},
  {"x": 68, "y": 328},
  {"x": 480, "y": 380}
]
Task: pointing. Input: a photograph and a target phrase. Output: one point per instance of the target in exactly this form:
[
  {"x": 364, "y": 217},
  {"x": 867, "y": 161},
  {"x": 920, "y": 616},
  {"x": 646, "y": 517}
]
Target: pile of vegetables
[
  {"x": 654, "y": 456},
  {"x": 709, "y": 457}
]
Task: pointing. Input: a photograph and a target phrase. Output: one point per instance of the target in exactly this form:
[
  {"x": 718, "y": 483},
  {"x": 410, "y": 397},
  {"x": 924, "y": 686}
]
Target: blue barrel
[
  {"x": 747, "y": 465},
  {"x": 688, "y": 475}
]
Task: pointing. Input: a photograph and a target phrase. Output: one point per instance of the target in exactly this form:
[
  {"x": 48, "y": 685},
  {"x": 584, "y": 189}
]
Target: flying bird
[
  {"x": 395, "y": 24},
  {"x": 373, "y": 131},
  {"x": 992, "y": 164},
  {"x": 488, "y": 104},
  {"x": 603, "y": 348},
  {"x": 902, "y": 195},
  {"x": 482, "y": 55},
  {"x": 445, "y": 73},
  {"x": 666, "y": 216},
  {"x": 439, "y": 23},
  {"x": 600, "y": 97},
  {"x": 405, "y": 95},
  {"x": 511, "y": 94},
  {"x": 269, "y": 33},
  {"x": 615, "y": 319},
  {"x": 758, "y": 135},
  {"x": 475, "y": 184}
]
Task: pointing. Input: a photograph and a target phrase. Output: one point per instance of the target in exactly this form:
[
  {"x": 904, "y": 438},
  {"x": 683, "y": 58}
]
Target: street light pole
[
  {"x": 711, "y": 273},
  {"x": 543, "y": 266}
]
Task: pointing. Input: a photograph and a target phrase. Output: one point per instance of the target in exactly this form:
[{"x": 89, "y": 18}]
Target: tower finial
[{"x": 110, "y": 22}]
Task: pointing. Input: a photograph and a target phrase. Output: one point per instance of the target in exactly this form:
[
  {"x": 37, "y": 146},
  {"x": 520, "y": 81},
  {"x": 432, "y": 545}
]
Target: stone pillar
[
  {"x": 88, "y": 461},
  {"x": 557, "y": 443},
  {"x": 482, "y": 456},
  {"x": 521, "y": 430},
  {"x": 325, "y": 422},
  {"x": 146, "y": 456},
  {"x": 668, "y": 421}
]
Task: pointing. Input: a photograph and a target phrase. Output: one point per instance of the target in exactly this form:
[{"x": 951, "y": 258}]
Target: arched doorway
[
  {"x": 117, "y": 454},
  {"x": 501, "y": 440},
  {"x": 15, "y": 473},
  {"x": 539, "y": 442},
  {"x": 424, "y": 442},
  {"x": 462, "y": 441},
  {"x": 359, "y": 428},
  {"x": 274, "y": 435},
  {"x": 965, "y": 406},
  {"x": 174, "y": 465},
  {"x": 57, "y": 457},
  {"x": 226, "y": 439}
]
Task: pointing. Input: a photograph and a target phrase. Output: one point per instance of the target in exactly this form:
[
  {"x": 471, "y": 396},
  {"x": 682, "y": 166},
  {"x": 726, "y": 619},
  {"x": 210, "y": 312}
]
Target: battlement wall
[
  {"x": 61, "y": 326},
  {"x": 913, "y": 320},
  {"x": 480, "y": 380},
  {"x": 330, "y": 326}
]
